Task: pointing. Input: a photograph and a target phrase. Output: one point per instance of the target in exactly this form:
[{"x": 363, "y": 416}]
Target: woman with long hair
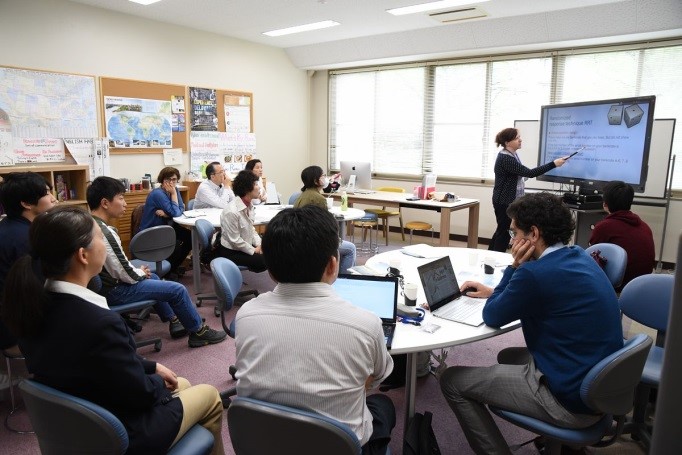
[{"x": 73, "y": 342}]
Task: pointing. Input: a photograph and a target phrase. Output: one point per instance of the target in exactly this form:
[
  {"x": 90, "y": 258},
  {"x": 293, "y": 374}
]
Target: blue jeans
[
  {"x": 172, "y": 299},
  {"x": 346, "y": 256}
]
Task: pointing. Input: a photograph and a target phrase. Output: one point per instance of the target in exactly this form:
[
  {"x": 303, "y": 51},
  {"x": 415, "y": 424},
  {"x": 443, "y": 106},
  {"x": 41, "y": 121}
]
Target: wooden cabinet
[
  {"x": 72, "y": 179},
  {"x": 133, "y": 199}
]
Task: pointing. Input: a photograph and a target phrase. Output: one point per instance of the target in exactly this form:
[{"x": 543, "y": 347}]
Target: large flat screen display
[{"x": 611, "y": 137}]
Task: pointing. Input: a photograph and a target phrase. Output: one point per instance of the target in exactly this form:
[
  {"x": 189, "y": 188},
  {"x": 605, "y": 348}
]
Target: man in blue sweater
[{"x": 570, "y": 320}]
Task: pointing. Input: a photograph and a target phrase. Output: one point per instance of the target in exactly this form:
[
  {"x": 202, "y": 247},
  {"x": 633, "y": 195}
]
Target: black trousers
[
  {"x": 500, "y": 240},
  {"x": 183, "y": 245},
  {"x": 383, "y": 414},
  {"x": 254, "y": 262}
]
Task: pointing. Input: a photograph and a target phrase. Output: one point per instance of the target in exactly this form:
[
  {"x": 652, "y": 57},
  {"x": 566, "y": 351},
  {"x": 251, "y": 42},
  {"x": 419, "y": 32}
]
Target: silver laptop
[
  {"x": 376, "y": 294},
  {"x": 444, "y": 297}
]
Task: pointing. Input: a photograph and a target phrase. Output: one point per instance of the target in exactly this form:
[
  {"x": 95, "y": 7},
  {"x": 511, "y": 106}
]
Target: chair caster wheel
[
  {"x": 157, "y": 346},
  {"x": 226, "y": 402},
  {"x": 217, "y": 311},
  {"x": 233, "y": 371}
]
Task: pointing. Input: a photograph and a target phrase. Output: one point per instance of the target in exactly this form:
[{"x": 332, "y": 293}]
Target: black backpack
[{"x": 419, "y": 437}]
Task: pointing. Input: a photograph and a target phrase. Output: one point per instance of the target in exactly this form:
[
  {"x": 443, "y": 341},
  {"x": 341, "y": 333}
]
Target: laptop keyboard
[{"x": 466, "y": 310}]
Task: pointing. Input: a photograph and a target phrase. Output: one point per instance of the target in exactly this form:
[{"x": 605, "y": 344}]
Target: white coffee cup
[
  {"x": 410, "y": 294},
  {"x": 330, "y": 203},
  {"x": 489, "y": 265}
]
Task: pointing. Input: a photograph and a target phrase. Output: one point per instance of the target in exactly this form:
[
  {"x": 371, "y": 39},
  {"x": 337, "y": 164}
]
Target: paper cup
[
  {"x": 330, "y": 203},
  {"x": 410, "y": 294}
]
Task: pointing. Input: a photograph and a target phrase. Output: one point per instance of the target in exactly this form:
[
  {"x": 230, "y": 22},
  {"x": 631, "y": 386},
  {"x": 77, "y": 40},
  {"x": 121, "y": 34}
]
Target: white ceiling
[{"x": 365, "y": 23}]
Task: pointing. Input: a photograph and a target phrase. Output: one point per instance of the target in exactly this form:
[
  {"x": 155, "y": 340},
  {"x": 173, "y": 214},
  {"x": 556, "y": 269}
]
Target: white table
[
  {"x": 390, "y": 199},
  {"x": 264, "y": 213},
  {"x": 409, "y": 339}
]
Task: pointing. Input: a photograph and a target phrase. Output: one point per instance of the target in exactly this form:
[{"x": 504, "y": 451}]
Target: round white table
[
  {"x": 264, "y": 213},
  {"x": 409, "y": 339}
]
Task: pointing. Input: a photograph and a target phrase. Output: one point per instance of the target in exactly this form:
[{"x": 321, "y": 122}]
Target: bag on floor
[{"x": 419, "y": 437}]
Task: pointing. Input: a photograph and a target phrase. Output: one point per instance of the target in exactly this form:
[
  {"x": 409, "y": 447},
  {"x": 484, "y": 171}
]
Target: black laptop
[
  {"x": 445, "y": 299},
  {"x": 376, "y": 294}
]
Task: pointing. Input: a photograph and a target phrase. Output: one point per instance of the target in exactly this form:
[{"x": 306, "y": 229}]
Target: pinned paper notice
[{"x": 172, "y": 157}]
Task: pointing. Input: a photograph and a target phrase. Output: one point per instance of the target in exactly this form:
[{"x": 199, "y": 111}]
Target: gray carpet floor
[{"x": 210, "y": 365}]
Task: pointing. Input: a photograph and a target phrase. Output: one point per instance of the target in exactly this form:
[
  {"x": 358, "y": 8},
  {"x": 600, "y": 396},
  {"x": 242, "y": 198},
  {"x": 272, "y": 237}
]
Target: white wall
[
  {"x": 458, "y": 224},
  {"x": 57, "y": 35}
]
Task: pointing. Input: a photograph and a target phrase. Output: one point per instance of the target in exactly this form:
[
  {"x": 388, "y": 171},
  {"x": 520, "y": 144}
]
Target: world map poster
[{"x": 138, "y": 123}]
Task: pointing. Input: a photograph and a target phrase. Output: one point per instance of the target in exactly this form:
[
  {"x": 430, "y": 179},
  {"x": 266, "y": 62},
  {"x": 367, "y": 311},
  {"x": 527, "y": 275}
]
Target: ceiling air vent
[{"x": 458, "y": 15}]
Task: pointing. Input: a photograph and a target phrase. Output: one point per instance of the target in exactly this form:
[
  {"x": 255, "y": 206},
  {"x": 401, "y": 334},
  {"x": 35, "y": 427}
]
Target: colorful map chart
[{"x": 139, "y": 123}]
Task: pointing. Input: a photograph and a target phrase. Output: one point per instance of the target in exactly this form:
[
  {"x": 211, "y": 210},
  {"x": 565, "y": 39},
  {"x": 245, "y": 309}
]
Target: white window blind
[{"x": 444, "y": 117}]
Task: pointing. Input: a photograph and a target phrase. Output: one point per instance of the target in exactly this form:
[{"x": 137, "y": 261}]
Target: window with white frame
[{"x": 444, "y": 117}]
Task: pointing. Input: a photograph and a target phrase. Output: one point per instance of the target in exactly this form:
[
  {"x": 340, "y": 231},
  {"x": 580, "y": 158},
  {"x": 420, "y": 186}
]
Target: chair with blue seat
[
  {"x": 227, "y": 280},
  {"x": 190, "y": 204},
  {"x": 288, "y": 430},
  {"x": 616, "y": 261},
  {"x": 293, "y": 197},
  {"x": 67, "y": 424},
  {"x": 647, "y": 300},
  {"x": 607, "y": 389}
]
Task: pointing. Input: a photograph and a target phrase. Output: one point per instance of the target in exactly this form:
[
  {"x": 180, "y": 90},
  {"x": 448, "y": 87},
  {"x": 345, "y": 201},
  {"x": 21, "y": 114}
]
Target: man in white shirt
[
  {"x": 215, "y": 191},
  {"x": 239, "y": 241},
  {"x": 302, "y": 345}
]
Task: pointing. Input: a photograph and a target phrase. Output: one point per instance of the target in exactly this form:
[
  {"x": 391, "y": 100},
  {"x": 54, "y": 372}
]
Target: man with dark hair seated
[
  {"x": 23, "y": 195},
  {"x": 122, "y": 282},
  {"x": 625, "y": 229},
  {"x": 239, "y": 241},
  {"x": 570, "y": 319},
  {"x": 302, "y": 345}
]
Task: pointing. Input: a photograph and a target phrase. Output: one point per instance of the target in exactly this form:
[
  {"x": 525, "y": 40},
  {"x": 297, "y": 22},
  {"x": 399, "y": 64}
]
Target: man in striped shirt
[{"x": 304, "y": 346}]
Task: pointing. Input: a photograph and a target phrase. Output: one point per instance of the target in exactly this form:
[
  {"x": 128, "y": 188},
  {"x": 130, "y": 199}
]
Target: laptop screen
[
  {"x": 376, "y": 294},
  {"x": 439, "y": 282}
]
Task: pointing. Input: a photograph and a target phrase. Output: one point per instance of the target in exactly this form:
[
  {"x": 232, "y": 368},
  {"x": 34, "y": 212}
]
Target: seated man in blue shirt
[
  {"x": 570, "y": 319},
  {"x": 24, "y": 196},
  {"x": 123, "y": 282}
]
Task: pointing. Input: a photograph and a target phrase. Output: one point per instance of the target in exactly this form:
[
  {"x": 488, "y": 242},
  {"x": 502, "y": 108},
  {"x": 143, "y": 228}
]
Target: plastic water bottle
[{"x": 344, "y": 201}]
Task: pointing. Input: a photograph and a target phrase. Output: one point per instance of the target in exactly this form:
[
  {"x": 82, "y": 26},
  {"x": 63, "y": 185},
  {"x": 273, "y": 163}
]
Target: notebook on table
[
  {"x": 376, "y": 294},
  {"x": 444, "y": 297}
]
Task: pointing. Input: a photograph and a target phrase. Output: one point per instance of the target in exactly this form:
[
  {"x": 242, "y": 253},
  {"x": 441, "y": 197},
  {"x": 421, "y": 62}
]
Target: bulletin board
[{"x": 148, "y": 91}]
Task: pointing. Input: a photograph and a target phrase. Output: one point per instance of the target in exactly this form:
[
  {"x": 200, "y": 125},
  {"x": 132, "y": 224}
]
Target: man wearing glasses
[
  {"x": 215, "y": 191},
  {"x": 570, "y": 319},
  {"x": 162, "y": 205}
]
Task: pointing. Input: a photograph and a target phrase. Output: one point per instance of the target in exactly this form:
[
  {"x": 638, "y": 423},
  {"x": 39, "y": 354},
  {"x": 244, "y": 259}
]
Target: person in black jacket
[
  {"x": 74, "y": 343},
  {"x": 509, "y": 183}
]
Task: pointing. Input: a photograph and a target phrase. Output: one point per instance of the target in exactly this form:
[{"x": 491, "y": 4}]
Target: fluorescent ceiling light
[
  {"x": 301, "y": 28},
  {"x": 432, "y": 6},
  {"x": 145, "y": 2}
]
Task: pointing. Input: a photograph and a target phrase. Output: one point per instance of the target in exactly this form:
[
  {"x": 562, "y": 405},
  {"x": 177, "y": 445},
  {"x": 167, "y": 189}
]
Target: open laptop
[
  {"x": 376, "y": 294},
  {"x": 444, "y": 297}
]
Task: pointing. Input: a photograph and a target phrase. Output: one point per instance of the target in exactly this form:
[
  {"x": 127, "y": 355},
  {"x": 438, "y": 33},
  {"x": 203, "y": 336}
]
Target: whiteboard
[{"x": 659, "y": 155}]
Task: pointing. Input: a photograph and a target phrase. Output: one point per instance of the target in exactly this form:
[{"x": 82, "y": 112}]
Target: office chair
[
  {"x": 190, "y": 204},
  {"x": 647, "y": 300},
  {"x": 288, "y": 430},
  {"x": 608, "y": 388},
  {"x": 616, "y": 261},
  {"x": 293, "y": 197},
  {"x": 10, "y": 355},
  {"x": 227, "y": 280},
  {"x": 68, "y": 424},
  {"x": 384, "y": 214},
  {"x": 204, "y": 231},
  {"x": 151, "y": 247}
]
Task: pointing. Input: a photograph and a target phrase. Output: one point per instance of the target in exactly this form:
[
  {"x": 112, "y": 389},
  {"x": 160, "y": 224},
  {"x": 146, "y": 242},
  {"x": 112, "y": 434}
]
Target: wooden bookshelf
[{"x": 74, "y": 176}]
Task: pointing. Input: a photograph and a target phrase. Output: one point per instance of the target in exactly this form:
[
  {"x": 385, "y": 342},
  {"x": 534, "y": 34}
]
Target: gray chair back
[
  {"x": 293, "y": 197},
  {"x": 227, "y": 279},
  {"x": 204, "y": 230},
  {"x": 288, "y": 430},
  {"x": 609, "y": 387},
  {"x": 617, "y": 261},
  {"x": 154, "y": 244}
]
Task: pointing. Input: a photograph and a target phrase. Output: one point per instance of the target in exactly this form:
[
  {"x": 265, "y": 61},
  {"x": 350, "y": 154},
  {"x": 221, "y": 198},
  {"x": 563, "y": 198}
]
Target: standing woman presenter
[{"x": 510, "y": 175}]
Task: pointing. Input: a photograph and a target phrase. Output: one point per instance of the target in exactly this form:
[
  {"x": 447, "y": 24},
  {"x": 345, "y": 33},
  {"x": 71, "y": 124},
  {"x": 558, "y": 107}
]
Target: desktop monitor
[{"x": 362, "y": 170}]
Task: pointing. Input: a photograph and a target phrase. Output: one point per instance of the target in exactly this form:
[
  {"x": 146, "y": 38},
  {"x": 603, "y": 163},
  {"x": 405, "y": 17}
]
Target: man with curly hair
[{"x": 570, "y": 319}]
